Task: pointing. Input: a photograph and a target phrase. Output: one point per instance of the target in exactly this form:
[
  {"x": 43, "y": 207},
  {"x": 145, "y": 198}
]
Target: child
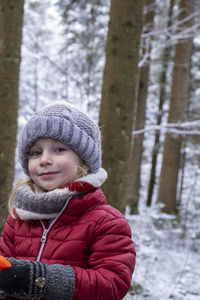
[{"x": 62, "y": 239}]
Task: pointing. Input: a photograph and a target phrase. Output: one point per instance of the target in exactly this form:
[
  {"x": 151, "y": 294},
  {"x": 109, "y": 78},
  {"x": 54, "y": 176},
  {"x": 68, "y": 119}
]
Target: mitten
[{"x": 33, "y": 280}]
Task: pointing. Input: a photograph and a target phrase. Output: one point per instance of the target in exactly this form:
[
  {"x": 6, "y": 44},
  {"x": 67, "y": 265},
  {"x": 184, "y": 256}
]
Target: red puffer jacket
[{"x": 91, "y": 236}]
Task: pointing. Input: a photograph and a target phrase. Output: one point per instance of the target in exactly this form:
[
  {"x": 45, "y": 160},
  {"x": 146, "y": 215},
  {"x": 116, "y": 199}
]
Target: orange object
[{"x": 4, "y": 263}]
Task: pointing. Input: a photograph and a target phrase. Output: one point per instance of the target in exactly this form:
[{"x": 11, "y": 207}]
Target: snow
[
  {"x": 168, "y": 247},
  {"x": 168, "y": 259}
]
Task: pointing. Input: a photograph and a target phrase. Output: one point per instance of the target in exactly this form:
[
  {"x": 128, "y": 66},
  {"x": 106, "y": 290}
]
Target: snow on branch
[
  {"x": 174, "y": 34},
  {"x": 177, "y": 128},
  {"x": 172, "y": 27}
]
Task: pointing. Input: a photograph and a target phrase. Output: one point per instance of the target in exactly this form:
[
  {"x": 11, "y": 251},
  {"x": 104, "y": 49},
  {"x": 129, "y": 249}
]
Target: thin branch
[
  {"x": 174, "y": 26},
  {"x": 172, "y": 128}
]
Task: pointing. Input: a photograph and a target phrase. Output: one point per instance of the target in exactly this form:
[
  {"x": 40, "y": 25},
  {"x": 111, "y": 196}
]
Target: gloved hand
[
  {"x": 32, "y": 280},
  {"x": 23, "y": 279}
]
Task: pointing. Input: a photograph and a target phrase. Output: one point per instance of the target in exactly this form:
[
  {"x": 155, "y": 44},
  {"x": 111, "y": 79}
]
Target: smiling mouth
[{"x": 48, "y": 174}]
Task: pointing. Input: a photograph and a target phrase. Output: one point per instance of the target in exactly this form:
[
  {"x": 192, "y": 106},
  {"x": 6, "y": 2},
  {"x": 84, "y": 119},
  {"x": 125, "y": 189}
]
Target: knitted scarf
[{"x": 36, "y": 205}]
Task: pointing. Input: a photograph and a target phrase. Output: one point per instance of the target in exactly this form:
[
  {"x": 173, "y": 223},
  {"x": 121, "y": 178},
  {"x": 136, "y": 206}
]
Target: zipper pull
[{"x": 44, "y": 236}]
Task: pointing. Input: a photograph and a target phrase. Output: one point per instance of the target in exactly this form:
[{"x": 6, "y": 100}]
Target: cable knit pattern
[{"x": 63, "y": 121}]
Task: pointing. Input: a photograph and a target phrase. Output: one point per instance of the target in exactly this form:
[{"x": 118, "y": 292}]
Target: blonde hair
[
  {"x": 82, "y": 170},
  {"x": 21, "y": 182}
]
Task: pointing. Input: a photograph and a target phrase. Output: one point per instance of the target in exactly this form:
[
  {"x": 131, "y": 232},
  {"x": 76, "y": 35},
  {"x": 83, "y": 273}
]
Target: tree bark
[
  {"x": 11, "y": 20},
  {"x": 163, "y": 84},
  {"x": 178, "y": 102},
  {"x": 119, "y": 94},
  {"x": 137, "y": 143}
]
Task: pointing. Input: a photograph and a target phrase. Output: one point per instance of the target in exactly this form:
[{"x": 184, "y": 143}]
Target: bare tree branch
[{"x": 172, "y": 128}]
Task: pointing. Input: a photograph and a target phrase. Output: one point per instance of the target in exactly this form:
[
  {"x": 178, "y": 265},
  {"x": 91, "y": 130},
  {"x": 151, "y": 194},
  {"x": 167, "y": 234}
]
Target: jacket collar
[{"x": 33, "y": 205}]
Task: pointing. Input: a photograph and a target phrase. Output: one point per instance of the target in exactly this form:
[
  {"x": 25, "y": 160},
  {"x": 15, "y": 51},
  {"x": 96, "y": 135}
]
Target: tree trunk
[
  {"x": 119, "y": 94},
  {"x": 163, "y": 84},
  {"x": 11, "y": 20},
  {"x": 178, "y": 102},
  {"x": 137, "y": 144}
]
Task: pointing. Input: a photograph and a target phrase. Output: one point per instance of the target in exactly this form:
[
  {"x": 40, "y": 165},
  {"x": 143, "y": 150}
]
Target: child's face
[{"x": 52, "y": 164}]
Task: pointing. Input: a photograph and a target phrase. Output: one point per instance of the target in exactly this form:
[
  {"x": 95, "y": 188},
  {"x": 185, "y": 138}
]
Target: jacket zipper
[
  {"x": 46, "y": 231},
  {"x": 44, "y": 236},
  {"x": 43, "y": 240}
]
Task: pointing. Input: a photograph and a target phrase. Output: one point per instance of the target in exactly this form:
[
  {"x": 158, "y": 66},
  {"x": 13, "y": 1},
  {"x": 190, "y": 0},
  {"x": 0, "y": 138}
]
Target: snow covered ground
[
  {"x": 168, "y": 248},
  {"x": 168, "y": 260}
]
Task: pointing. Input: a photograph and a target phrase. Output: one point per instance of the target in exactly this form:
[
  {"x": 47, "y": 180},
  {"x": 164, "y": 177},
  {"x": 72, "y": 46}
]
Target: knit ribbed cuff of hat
[{"x": 60, "y": 282}]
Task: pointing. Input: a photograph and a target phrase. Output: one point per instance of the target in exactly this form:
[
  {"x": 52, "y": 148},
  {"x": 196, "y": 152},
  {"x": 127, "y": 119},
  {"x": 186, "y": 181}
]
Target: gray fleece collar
[{"x": 34, "y": 205}]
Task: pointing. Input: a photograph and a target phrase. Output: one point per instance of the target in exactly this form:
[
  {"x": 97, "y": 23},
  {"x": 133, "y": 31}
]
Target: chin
[{"x": 48, "y": 189}]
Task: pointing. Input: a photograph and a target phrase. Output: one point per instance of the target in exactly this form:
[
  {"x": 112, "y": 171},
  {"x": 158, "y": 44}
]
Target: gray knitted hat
[{"x": 63, "y": 121}]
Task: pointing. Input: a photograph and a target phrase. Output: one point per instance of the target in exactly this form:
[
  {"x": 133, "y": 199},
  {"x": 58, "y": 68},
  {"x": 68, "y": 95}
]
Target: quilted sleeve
[
  {"x": 111, "y": 262},
  {"x": 7, "y": 238}
]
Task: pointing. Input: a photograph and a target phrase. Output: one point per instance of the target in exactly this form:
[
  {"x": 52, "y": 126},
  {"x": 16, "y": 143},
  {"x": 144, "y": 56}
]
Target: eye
[
  {"x": 35, "y": 153},
  {"x": 60, "y": 149}
]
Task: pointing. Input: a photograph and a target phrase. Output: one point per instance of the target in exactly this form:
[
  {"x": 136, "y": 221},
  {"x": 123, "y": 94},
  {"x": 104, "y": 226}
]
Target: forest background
[{"x": 134, "y": 66}]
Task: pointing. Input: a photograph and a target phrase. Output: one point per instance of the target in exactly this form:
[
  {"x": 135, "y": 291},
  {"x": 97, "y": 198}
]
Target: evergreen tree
[{"x": 85, "y": 25}]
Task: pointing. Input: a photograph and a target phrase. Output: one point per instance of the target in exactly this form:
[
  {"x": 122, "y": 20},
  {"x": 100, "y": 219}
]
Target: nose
[{"x": 46, "y": 158}]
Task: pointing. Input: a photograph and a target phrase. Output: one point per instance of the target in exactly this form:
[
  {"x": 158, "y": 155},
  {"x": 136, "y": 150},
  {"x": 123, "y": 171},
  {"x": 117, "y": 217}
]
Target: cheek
[
  {"x": 71, "y": 163},
  {"x": 31, "y": 166},
  {"x": 71, "y": 166}
]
